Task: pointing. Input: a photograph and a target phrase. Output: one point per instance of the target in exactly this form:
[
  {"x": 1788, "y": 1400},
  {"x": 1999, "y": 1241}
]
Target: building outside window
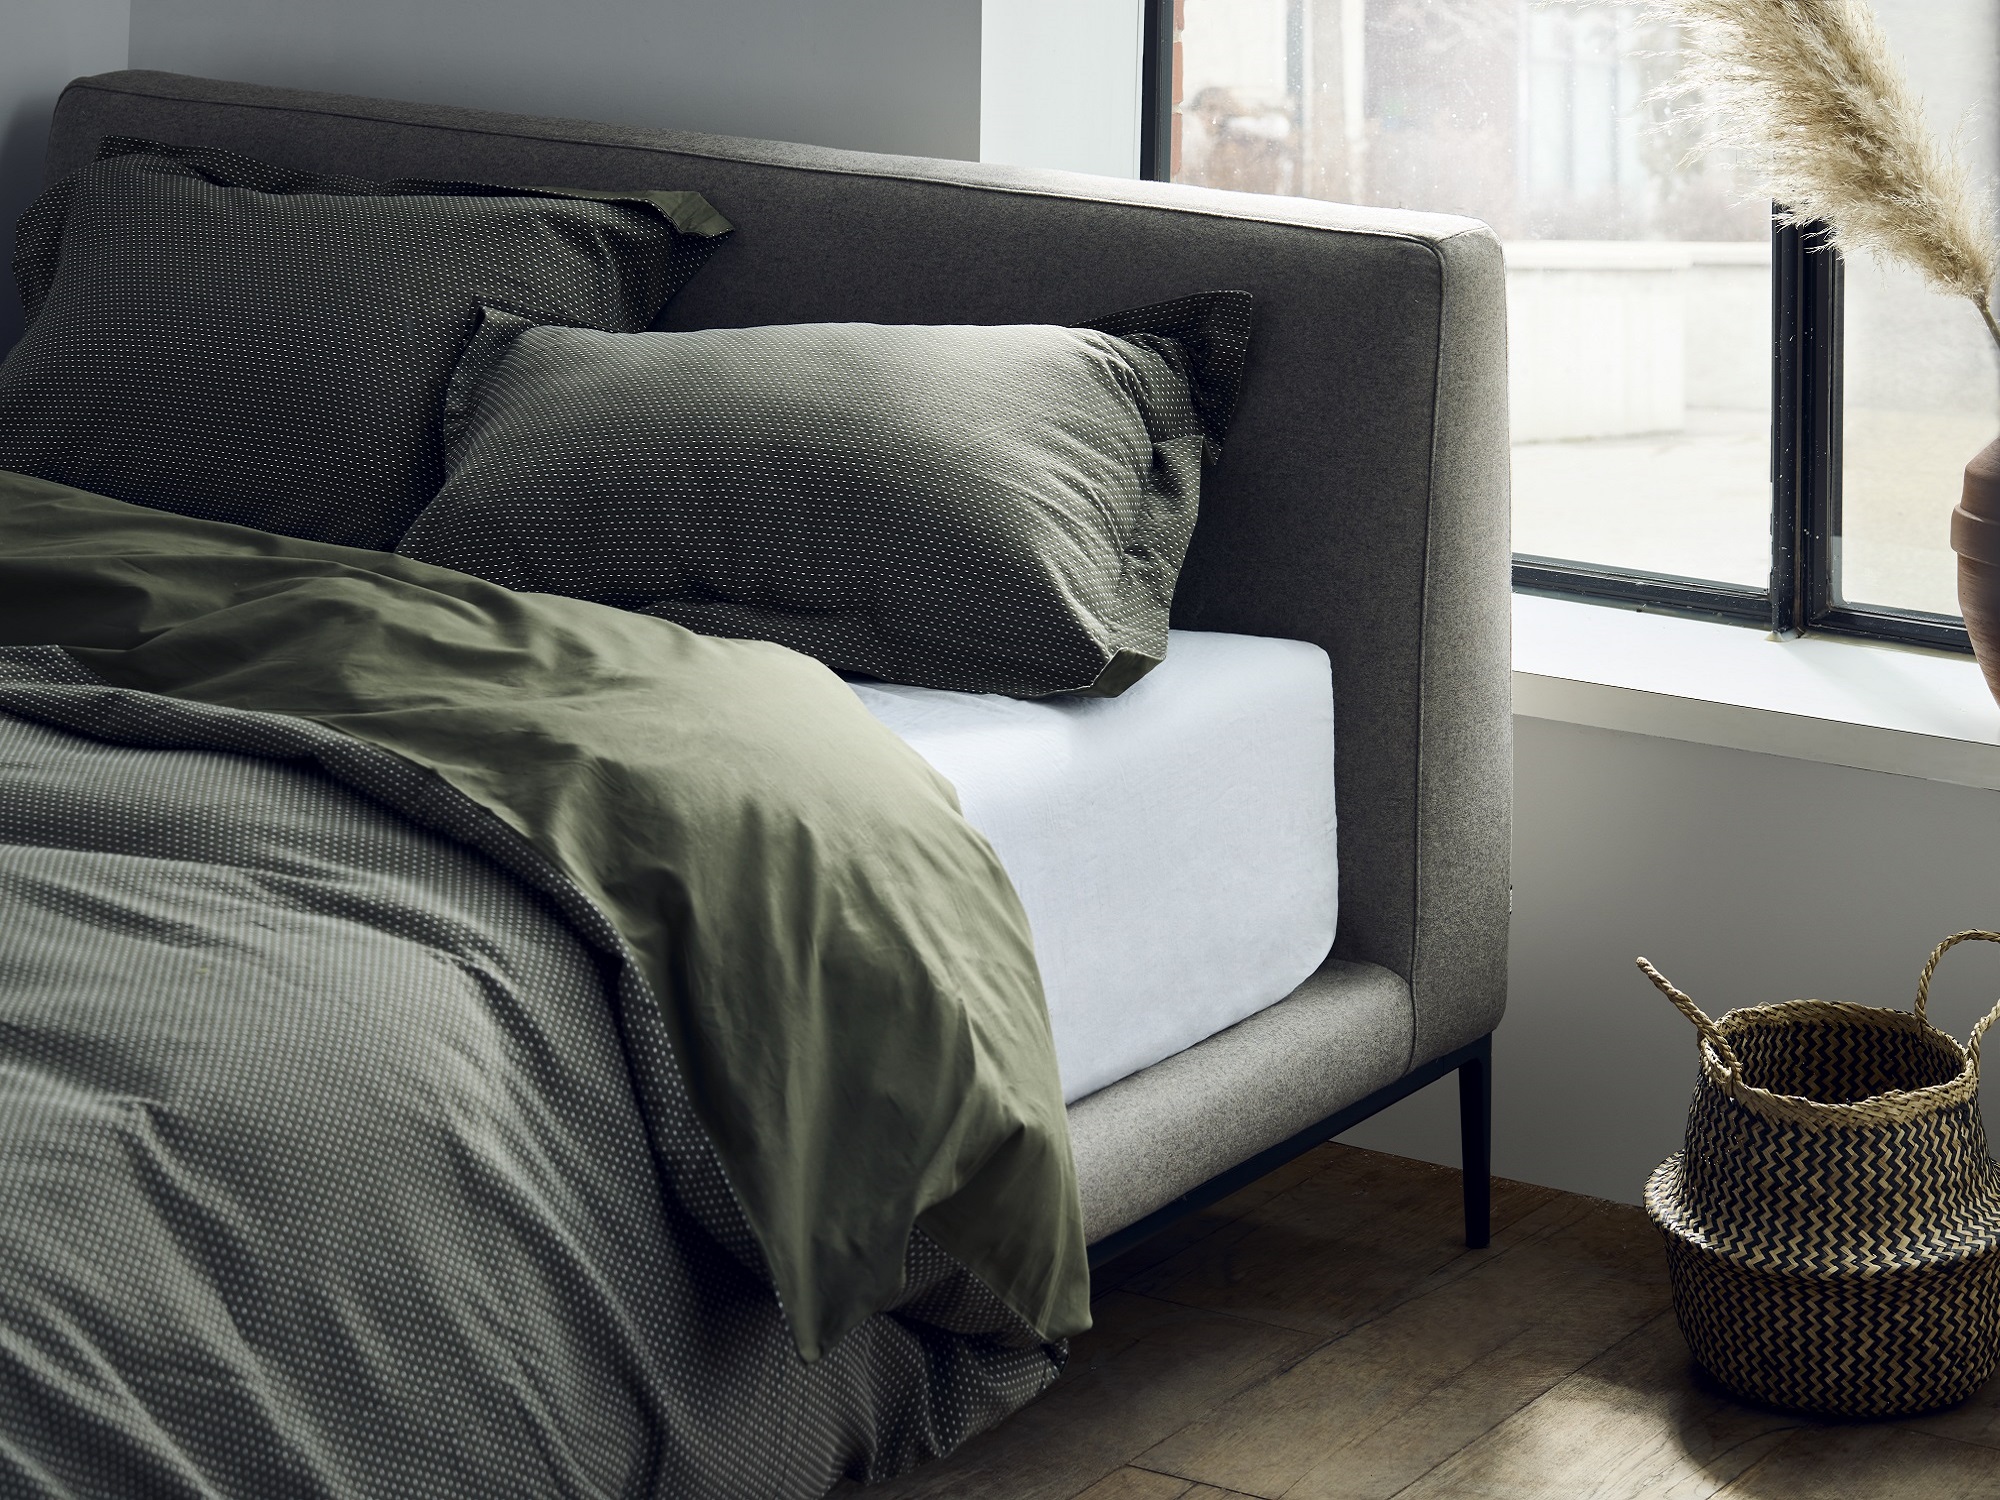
[{"x": 1639, "y": 277}]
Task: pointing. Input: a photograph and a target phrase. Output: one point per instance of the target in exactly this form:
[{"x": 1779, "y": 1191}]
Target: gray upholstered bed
[{"x": 1363, "y": 506}]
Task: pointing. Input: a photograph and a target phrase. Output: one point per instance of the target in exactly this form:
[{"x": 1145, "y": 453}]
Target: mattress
[{"x": 1173, "y": 847}]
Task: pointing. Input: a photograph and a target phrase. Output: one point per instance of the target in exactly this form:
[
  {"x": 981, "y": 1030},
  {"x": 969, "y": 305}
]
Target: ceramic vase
[{"x": 1975, "y": 537}]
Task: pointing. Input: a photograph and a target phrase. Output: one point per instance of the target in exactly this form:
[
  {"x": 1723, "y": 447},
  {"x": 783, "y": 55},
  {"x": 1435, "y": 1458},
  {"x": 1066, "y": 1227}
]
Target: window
[{"x": 1707, "y": 415}]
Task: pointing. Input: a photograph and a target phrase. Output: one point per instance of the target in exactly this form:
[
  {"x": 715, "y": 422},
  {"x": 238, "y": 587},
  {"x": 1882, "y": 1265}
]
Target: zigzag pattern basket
[{"x": 1833, "y": 1221}]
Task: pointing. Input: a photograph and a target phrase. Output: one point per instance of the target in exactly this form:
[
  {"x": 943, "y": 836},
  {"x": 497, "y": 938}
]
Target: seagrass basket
[{"x": 1833, "y": 1220}]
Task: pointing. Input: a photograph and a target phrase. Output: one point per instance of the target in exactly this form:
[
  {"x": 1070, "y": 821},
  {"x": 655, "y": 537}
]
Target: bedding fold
[{"x": 843, "y": 975}]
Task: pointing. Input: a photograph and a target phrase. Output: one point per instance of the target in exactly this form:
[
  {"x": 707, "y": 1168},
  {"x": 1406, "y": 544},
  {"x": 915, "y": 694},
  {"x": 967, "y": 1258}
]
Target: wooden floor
[{"x": 1326, "y": 1334}]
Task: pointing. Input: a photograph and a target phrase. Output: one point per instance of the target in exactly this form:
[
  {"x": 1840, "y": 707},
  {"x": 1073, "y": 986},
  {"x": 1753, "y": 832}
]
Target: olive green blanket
[{"x": 841, "y": 964}]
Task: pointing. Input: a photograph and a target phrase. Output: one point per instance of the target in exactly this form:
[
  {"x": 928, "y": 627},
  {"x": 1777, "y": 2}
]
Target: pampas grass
[{"x": 1809, "y": 93}]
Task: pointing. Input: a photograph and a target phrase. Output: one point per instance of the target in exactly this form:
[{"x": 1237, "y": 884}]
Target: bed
[{"x": 596, "y": 1303}]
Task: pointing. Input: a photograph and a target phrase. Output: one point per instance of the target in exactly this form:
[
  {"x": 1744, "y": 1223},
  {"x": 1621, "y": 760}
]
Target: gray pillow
[
  {"x": 222, "y": 338},
  {"x": 988, "y": 509}
]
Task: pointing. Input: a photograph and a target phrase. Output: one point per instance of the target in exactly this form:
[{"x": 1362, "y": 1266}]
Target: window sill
[{"x": 1905, "y": 711}]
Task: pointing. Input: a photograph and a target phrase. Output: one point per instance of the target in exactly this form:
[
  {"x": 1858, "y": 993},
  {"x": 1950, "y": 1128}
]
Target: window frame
[{"x": 1807, "y": 307}]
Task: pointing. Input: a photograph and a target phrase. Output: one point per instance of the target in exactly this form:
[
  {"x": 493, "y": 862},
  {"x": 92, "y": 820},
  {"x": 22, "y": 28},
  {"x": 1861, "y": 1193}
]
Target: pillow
[
  {"x": 987, "y": 509},
  {"x": 240, "y": 342}
]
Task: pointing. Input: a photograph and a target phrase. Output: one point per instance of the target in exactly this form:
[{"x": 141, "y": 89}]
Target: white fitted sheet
[{"x": 1173, "y": 846}]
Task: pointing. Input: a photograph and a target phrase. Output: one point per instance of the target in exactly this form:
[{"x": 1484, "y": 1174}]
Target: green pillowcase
[
  {"x": 226, "y": 339},
  {"x": 987, "y": 509}
]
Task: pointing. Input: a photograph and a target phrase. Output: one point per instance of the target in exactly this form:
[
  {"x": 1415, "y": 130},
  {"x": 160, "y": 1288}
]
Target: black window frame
[{"x": 1807, "y": 307}]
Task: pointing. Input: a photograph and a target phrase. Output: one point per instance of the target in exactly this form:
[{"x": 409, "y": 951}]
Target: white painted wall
[
  {"x": 43, "y": 44},
  {"x": 1596, "y": 338},
  {"x": 1059, "y": 84},
  {"x": 1728, "y": 302},
  {"x": 1614, "y": 338},
  {"x": 1747, "y": 878},
  {"x": 873, "y": 75}
]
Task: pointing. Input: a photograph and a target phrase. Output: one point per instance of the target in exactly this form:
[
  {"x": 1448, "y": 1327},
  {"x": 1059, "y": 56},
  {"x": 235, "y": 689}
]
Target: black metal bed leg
[{"x": 1475, "y": 1141}]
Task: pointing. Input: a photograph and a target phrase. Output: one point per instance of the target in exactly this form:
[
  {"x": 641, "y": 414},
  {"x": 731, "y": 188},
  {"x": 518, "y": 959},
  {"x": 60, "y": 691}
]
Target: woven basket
[{"x": 1833, "y": 1221}]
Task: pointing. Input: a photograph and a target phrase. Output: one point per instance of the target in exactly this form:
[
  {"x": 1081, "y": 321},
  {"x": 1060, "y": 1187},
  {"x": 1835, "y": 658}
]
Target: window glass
[
  {"x": 1920, "y": 380},
  {"x": 1638, "y": 281}
]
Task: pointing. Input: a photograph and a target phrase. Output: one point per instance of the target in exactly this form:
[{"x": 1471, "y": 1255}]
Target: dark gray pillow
[
  {"x": 226, "y": 339},
  {"x": 989, "y": 509}
]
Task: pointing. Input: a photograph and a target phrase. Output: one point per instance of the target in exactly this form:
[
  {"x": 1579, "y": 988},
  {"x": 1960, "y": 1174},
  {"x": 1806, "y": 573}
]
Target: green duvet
[{"x": 838, "y": 957}]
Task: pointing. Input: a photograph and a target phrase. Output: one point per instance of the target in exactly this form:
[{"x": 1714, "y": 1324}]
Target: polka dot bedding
[
  {"x": 345, "y": 1155},
  {"x": 226, "y": 339},
  {"x": 986, "y": 509}
]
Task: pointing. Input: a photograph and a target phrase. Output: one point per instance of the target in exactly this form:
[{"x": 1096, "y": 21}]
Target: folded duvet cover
[{"x": 462, "y": 1042}]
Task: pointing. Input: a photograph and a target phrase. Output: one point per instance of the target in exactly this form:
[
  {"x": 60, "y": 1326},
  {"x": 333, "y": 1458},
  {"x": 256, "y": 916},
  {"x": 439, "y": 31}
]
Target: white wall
[
  {"x": 1748, "y": 879},
  {"x": 1610, "y": 338},
  {"x": 1596, "y": 338},
  {"x": 1059, "y": 84},
  {"x": 43, "y": 44},
  {"x": 1728, "y": 300},
  {"x": 874, "y": 75}
]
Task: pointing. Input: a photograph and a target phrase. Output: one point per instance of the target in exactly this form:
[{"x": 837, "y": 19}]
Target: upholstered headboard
[{"x": 1362, "y": 501}]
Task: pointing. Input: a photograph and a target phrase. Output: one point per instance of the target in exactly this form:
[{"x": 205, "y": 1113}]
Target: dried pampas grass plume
[{"x": 1808, "y": 91}]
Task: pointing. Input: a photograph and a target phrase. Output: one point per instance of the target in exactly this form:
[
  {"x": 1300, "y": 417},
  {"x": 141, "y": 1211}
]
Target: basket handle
[
  {"x": 1712, "y": 1033},
  {"x": 1924, "y": 987}
]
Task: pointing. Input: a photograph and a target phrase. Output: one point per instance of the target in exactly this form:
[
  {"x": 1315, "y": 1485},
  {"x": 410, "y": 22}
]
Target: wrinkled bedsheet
[
  {"x": 323, "y": 1171},
  {"x": 345, "y": 1150}
]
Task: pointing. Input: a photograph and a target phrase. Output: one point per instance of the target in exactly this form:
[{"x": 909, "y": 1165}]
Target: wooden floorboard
[{"x": 1325, "y": 1335}]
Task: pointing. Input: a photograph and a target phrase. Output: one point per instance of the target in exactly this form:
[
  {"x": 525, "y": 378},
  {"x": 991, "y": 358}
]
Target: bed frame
[{"x": 1362, "y": 505}]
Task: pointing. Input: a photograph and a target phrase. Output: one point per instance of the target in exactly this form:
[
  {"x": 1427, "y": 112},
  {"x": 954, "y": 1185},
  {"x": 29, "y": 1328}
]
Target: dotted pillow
[
  {"x": 221, "y": 338},
  {"x": 987, "y": 509}
]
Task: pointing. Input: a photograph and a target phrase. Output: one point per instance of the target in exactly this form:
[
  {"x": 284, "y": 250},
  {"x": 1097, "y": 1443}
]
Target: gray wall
[
  {"x": 1747, "y": 878},
  {"x": 43, "y": 44},
  {"x": 875, "y": 75}
]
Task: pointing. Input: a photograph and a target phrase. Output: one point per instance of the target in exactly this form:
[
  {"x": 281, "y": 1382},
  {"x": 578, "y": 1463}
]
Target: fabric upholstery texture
[
  {"x": 987, "y": 510},
  {"x": 1362, "y": 504},
  {"x": 1145, "y": 1140},
  {"x": 216, "y": 336}
]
